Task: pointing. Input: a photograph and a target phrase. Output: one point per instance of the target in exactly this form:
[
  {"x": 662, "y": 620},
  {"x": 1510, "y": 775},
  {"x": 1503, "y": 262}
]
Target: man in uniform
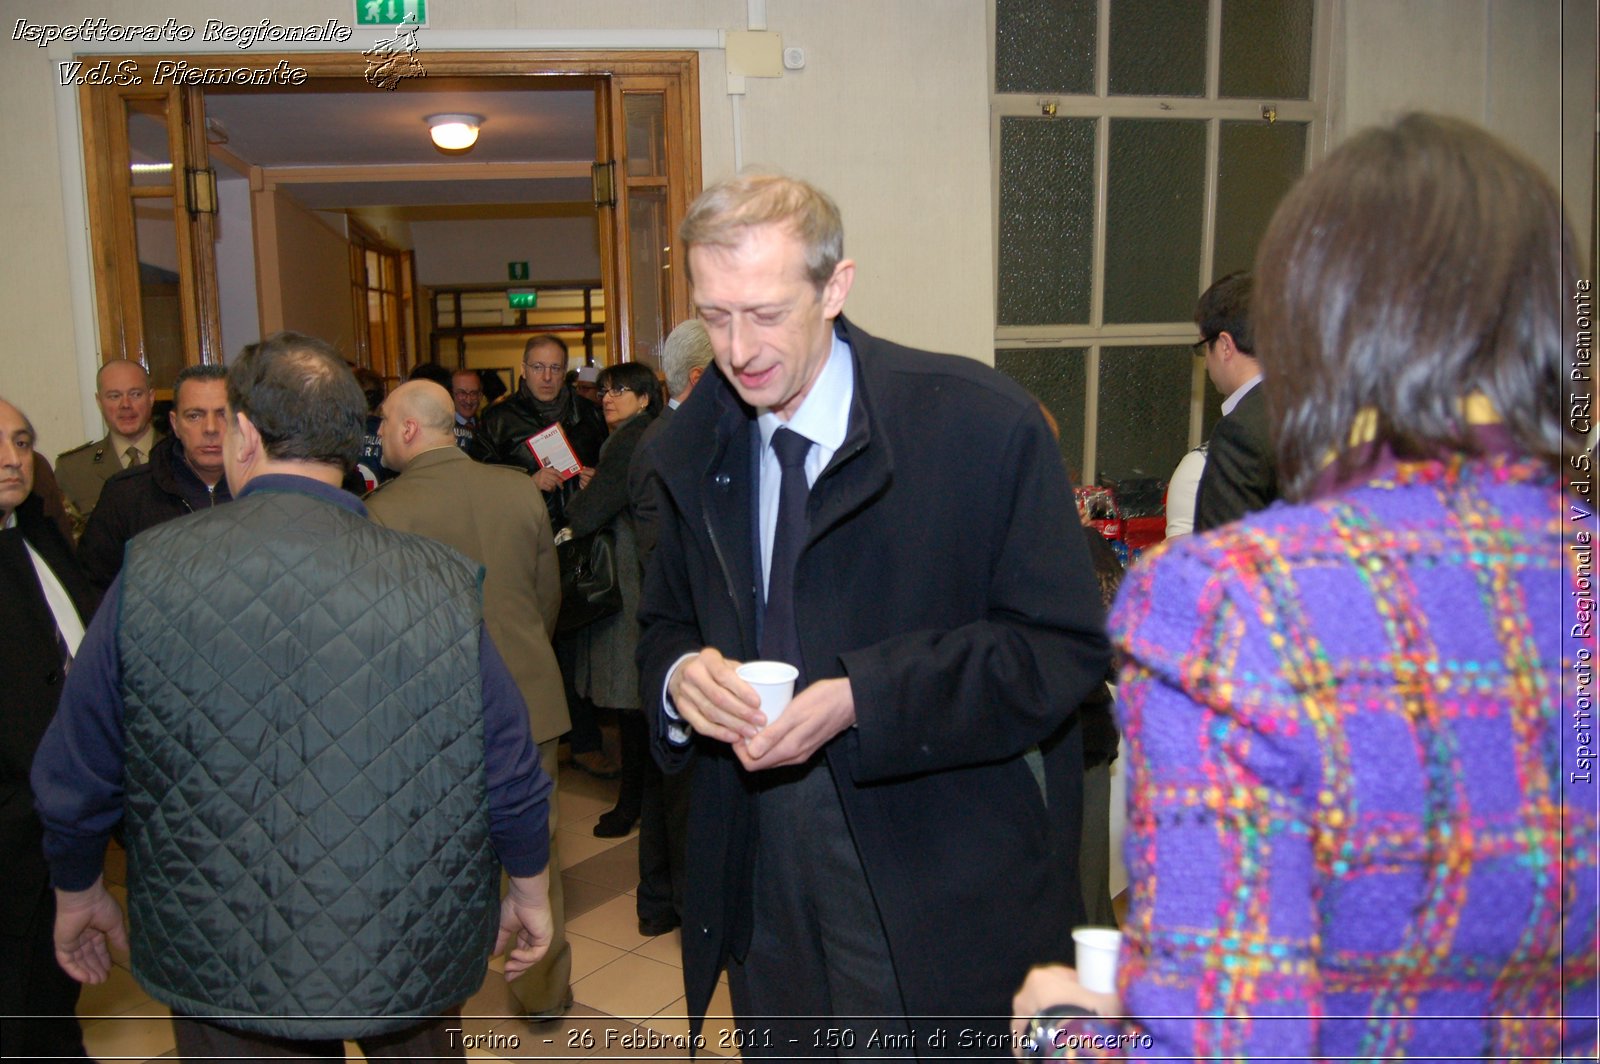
[
  {"x": 122, "y": 389},
  {"x": 184, "y": 475}
]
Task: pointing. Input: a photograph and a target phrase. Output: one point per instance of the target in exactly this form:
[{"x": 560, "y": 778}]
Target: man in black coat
[
  {"x": 47, "y": 605},
  {"x": 542, "y": 400},
  {"x": 1241, "y": 472},
  {"x": 903, "y": 840},
  {"x": 184, "y": 475}
]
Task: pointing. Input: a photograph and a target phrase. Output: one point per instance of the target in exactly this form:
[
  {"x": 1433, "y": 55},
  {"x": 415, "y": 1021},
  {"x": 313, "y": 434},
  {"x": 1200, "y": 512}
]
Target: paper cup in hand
[
  {"x": 773, "y": 681},
  {"x": 1097, "y": 949}
]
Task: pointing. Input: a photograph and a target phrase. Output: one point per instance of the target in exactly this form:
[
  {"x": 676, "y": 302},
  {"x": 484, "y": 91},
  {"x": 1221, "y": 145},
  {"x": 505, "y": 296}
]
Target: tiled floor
[{"x": 628, "y": 989}]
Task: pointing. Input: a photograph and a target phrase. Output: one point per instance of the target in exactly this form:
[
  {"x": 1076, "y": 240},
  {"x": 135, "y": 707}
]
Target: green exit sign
[
  {"x": 391, "y": 12},
  {"x": 523, "y": 298}
]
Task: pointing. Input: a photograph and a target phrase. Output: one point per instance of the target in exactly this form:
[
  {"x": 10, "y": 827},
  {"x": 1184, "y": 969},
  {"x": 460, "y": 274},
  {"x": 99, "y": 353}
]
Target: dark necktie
[
  {"x": 780, "y": 640},
  {"x": 135, "y": 457}
]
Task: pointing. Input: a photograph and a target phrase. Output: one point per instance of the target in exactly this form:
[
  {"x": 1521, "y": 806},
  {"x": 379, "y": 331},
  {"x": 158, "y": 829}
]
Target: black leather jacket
[{"x": 504, "y": 428}]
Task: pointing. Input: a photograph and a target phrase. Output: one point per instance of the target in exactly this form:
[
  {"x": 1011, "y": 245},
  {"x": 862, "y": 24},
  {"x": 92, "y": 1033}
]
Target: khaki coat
[{"x": 496, "y": 516}]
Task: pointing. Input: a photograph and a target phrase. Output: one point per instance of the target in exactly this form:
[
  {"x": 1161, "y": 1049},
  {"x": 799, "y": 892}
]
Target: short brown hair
[
  {"x": 721, "y": 214},
  {"x": 303, "y": 399},
  {"x": 1420, "y": 264}
]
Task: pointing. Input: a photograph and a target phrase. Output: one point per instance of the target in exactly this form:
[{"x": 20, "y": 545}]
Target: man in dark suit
[
  {"x": 1241, "y": 474},
  {"x": 48, "y": 601},
  {"x": 901, "y": 844},
  {"x": 664, "y": 812}
]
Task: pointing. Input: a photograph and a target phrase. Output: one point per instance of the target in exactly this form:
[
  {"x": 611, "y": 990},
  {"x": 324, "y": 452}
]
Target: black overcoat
[
  {"x": 30, "y": 663},
  {"x": 945, "y": 573}
]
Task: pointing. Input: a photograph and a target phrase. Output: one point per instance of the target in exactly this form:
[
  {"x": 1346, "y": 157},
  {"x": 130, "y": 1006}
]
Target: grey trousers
[{"x": 818, "y": 980}]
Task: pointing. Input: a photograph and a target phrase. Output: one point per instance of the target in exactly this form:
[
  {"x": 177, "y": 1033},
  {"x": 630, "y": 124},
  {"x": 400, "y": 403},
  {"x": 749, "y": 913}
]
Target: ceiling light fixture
[{"x": 454, "y": 132}]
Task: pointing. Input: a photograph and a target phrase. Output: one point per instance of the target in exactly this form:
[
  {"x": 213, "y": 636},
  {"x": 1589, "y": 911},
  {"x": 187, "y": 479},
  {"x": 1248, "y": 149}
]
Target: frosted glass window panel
[
  {"x": 651, "y": 294},
  {"x": 1044, "y": 46},
  {"x": 1046, "y": 220},
  {"x": 1056, "y": 377},
  {"x": 1158, "y": 48},
  {"x": 1153, "y": 220},
  {"x": 1256, "y": 165},
  {"x": 1266, "y": 49},
  {"x": 645, "y": 114},
  {"x": 160, "y": 288},
  {"x": 1144, "y": 410}
]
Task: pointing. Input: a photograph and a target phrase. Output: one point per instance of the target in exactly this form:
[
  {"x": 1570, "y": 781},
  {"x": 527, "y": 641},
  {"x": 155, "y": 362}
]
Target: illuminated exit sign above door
[
  {"x": 522, "y": 298},
  {"x": 391, "y": 12}
]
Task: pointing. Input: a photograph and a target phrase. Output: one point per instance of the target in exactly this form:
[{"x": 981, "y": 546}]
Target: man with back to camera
[
  {"x": 122, "y": 390},
  {"x": 48, "y": 601},
  {"x": 903, "y": 840},
  {"x": 314, "y": 748},
  {"x": 1240, "y": 474},
  {"x": 184, "y": 475},
  {"x": 496, "y": 517},
  {"x": 503, "y": 432}
]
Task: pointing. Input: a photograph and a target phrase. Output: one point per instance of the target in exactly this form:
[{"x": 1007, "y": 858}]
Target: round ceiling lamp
[{"x": 454, "y": 132}]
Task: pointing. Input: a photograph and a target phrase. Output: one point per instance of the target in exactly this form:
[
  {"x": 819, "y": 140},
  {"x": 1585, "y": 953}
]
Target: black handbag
[{"x": 589, "y": 588}]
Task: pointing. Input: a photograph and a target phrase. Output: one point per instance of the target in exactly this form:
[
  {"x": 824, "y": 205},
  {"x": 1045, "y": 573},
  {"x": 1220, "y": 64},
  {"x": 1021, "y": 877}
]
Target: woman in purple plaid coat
[{"x": 1362, "y": 804}]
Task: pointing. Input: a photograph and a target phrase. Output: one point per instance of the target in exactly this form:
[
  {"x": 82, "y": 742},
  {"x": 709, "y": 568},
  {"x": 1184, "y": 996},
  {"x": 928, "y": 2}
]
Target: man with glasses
[
  {"x": 542, "y": 400},
  {"x": 1240, "y": 474},
  {"x": 122, "y": 388},
  {"x": 466, "y": 393}
]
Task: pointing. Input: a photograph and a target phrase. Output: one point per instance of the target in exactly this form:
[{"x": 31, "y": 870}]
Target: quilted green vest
[{"x": 307, "y": 818}]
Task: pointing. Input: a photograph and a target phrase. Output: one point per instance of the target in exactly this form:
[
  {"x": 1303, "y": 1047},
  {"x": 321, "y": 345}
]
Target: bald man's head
[{"x": 418, "y": 416}]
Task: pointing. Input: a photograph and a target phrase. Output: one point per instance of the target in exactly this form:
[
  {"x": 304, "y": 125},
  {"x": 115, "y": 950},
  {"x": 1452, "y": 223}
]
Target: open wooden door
[
  {"x": 644, "y": 180},
  {"x": 152, "y": 211}
]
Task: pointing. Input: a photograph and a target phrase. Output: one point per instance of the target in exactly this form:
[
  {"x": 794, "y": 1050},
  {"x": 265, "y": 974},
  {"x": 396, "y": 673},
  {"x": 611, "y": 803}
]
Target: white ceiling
[{"x": 364, "y": 127}]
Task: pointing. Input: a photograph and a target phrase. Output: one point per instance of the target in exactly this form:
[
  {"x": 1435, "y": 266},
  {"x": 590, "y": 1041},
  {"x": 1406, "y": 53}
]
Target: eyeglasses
[
  {"x": 540, "y": 369},
  {"x": 614, "y": 392},
  {"x": 1203, "y": 343}
]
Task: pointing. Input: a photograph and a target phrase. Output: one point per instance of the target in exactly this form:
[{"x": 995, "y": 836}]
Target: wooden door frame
[{"x": 681, "y": 66}]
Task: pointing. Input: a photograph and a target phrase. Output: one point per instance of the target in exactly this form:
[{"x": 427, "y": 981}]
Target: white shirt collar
[
  {"x": 824, "y": 414},
  {"x": 1239, "y": 393}
]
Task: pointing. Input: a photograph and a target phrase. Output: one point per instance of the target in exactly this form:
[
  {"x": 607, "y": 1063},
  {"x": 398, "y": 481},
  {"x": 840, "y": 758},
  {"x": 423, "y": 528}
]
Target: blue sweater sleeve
[
  {"x": 519, "y": 790},
  {"x": 77, "y": 772}
]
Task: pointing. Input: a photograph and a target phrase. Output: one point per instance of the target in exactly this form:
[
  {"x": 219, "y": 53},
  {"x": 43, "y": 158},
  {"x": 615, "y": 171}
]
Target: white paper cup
[
  {"x": 1097, "y": 949},
  {"x": 773, "y": 681}
]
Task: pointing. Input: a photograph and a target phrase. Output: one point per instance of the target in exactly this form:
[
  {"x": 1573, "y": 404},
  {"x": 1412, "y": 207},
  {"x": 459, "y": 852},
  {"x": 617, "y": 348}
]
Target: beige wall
[
  {"x": 1523, "y": 69},
  {"x": 476, "y": 252},
  {"x": 890, "y": 114},
  {"x": 313, "y": 275}
]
